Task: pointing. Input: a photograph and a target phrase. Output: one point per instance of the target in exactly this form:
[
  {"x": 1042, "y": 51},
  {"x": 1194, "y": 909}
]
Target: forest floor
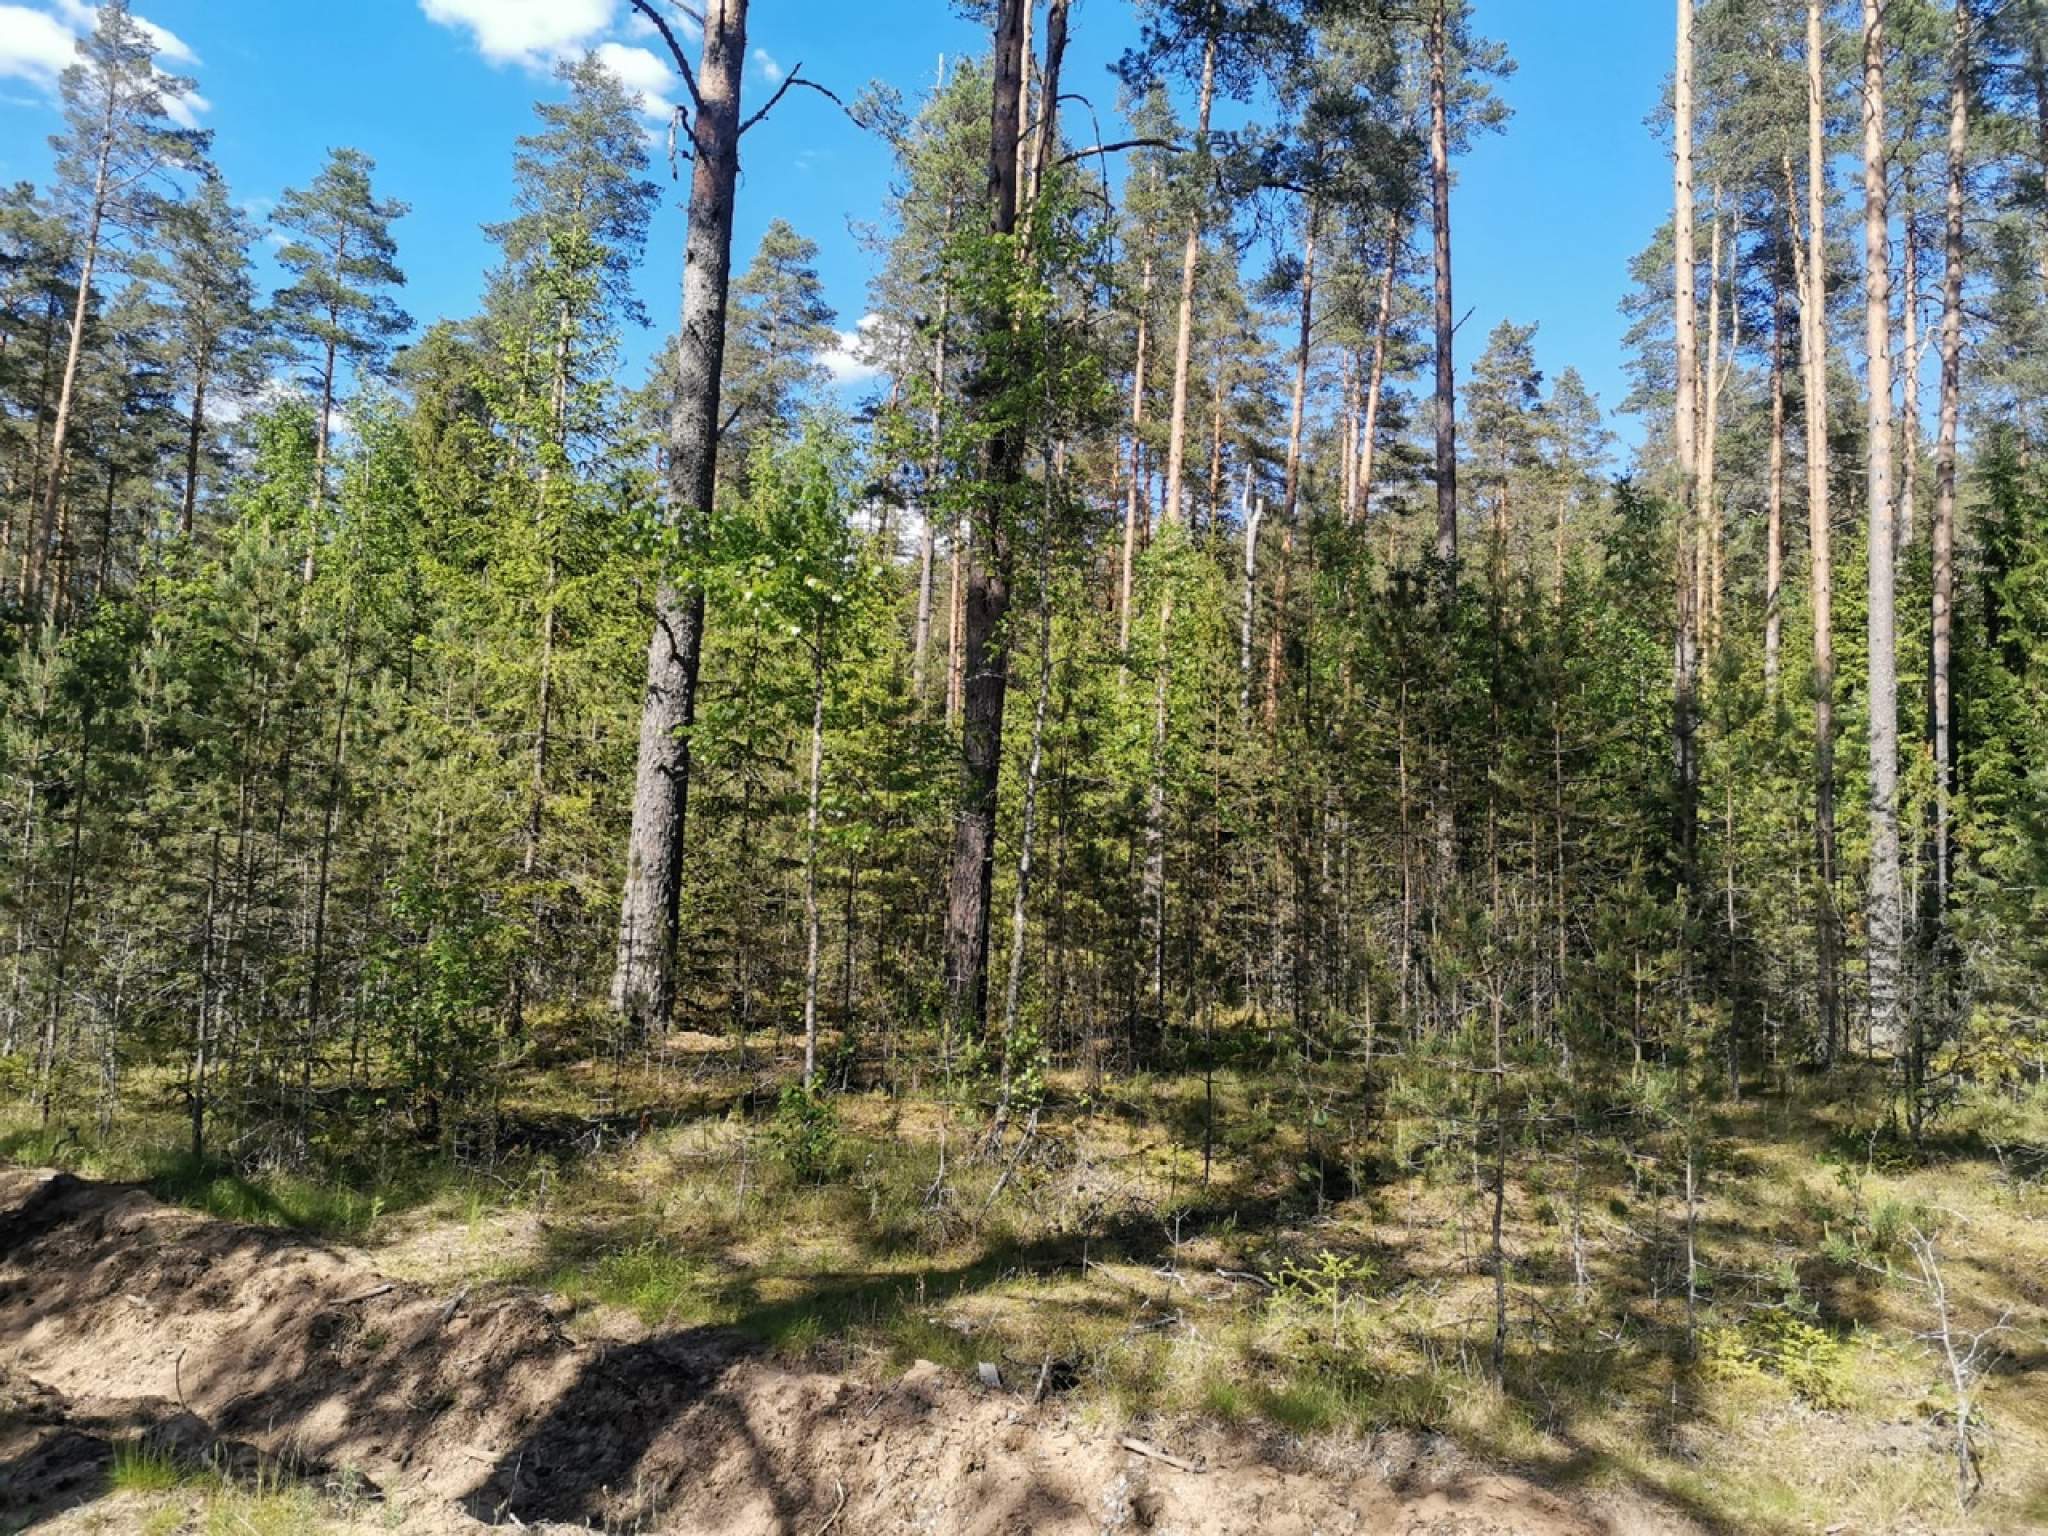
[{"x": 647, "y": 1321}]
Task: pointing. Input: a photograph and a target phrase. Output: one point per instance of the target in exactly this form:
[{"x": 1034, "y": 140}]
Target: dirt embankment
[{"x": 121, "y": 1317}]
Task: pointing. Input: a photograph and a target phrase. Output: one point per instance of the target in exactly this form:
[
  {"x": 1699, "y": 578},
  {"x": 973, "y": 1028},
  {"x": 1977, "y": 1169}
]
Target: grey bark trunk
[
  {"x": 643, "y": 981},
  {"x": 1685, "y": 647},
  {"x": 1446, "y": 376},
  {"x": 1177, "y": 425},
  {"x": 1886, "y": 918},
  {"x": 1943, "y": 538}
]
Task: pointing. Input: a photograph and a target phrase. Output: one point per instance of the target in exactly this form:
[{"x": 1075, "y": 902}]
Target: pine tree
[{"x": 343, "y": 258}]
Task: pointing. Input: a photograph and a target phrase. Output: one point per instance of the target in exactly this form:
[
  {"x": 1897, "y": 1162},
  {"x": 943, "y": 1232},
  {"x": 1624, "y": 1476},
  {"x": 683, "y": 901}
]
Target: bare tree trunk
[
  {"x": 1252, "y": 518},
  {"x": 927, "y": 537},
  {"x": 194, "y": 433},
  {"x": 1446, "y": 375},
  {"x": 1912, "y": 354},
  {"x": 1027, "y": 831},
  {"x": 1812, "y": 279},
  {"x": 1774, "y": 504},
  {"x": 1133, "y": 501},
  {"x": 987, "y": 599},
  {"x": 1685, "y": 649},
  {"x": 1290, "y": 504},
  {"x": 318, "y": 500},
  {"x": 813, "y": 802},
  {"x": 956, "y": 617},
  {"x": 1368, "y": 432},
  {"x": 60, "y": 430},
  {"x": 1886, "y": 918},
  {"x": 1177, "y": 424},
  {"x": 643, "y": 982},
  {"x": 1941, "y": 710},
  {"x": 1707, "y": 523}
]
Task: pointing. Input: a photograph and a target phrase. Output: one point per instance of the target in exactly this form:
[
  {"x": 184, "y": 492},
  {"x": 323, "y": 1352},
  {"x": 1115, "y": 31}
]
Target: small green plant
[
  {"x": 805, "y": 1135},
  {"x": 1326, "y": 1282},
  {"x": 141, "y": 1468},
  {"x": 1803, "y": 1355}
]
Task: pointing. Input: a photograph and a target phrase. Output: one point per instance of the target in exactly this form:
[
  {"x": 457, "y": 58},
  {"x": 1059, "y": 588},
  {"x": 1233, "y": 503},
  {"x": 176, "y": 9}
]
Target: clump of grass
[
  {"x": 276, "y": 1511},
  {"x": 659, "y": 1285},
  {"x": 142, "y": 1468}
]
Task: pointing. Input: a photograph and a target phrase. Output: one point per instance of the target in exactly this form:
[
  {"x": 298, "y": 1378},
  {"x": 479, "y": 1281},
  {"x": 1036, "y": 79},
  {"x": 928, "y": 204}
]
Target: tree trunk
[
  {"x": 643, "y": 982},
  {"x": 1685, "y": 649},
  {"x": 1940, "y": 706},
  {"x": 1253, "y": 516},
  {"x": 1912, "y": 355},
  {"x": 812, "y": 803},
  {"x": 1820, "y": 564},
  {"x": 1886, "y": 915},
  {"x": 1774, "y": 496},
  {"x": 927, "y": 538},
  {"x": 1290, "y": 505},
  {"x": 1027, "y": 830},
  {"x": 1446, "y": 376},
  {"x": 1177, "y": 424},
  {"x": 956, "y": 616},
  {"x": 1133, "y": 496},
  {"x": 1368, "y": 432},
  {"x": 1706, "y": 522},
  {"x": 985, "y": 651},
  {"x": 195, "y": 433},
  {"x": 319, "y": 497},
  {"x": 60, "y": 430}
]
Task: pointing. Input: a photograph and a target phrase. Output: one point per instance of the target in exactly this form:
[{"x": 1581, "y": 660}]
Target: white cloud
[
  {"x": 184, "y": 110},
  {"x": 529, "y": 32},
  {"x": 765, "y": 62},
  {"x": 81, "y": 17},
  {"x": 852, "y": 359},
  {"x": 38, "y": 46},
  {"x": 34, "y": 45},
  {"x": 681, "y": 23},
  {"x": 640, "y": 71}
]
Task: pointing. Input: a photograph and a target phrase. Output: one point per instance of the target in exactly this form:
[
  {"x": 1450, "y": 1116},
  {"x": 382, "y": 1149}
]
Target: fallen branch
[
  {"x": 1152, "y": 1452},
  {"x": 838, "y": 1510},
  {"x": 370, "y": 1295}
]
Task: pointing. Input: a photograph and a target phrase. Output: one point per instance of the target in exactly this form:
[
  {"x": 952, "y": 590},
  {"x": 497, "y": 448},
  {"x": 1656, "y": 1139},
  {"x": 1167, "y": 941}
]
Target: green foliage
[
  {"x": 805, "y": 1136},
  {"x": 1806, "y": 1357}
]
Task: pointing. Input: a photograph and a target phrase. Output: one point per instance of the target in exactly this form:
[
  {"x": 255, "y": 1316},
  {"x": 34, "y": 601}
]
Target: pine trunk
[
  {"x": 643, "y": 982},
  {"x": 1886, "y": 917},
  {"x": 985, "y": 643},
  {"x": 1446, "y": 375}
]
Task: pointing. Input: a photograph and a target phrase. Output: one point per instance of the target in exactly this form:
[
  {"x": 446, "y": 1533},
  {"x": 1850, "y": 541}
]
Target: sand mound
[{"x": 124, "y": 1318}]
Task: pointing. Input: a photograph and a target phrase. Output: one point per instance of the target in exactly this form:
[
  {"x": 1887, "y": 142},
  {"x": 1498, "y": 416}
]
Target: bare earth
[{"x": 122, "y": 1318}]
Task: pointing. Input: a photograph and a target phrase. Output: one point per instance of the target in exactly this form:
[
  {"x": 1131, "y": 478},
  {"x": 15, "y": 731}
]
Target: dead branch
[
  {"x": 1152, "y": 1452},
  {"x": 675, "y": 49}
]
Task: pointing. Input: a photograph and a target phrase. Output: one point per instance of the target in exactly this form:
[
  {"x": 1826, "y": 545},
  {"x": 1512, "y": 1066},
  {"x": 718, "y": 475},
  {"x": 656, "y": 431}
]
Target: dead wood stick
[
  {"x": 837, "y": 1511},
  {"x": 370, "y": 1295},
  {"x": 1147, "y": 1449}
]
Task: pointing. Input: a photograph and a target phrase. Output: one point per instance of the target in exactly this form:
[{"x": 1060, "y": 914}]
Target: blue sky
[{"x": 1546, "y": 216}]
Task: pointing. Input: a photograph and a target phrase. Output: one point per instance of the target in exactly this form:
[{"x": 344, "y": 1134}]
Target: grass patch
[{"x": 140, "y": 1468}]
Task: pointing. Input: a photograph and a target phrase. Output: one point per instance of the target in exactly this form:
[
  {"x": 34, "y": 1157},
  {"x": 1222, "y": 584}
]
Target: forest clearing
[{"x": 1158, "y": 889}]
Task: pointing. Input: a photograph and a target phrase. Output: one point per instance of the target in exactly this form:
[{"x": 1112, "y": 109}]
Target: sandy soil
[{"x": 122, "y": 1318}]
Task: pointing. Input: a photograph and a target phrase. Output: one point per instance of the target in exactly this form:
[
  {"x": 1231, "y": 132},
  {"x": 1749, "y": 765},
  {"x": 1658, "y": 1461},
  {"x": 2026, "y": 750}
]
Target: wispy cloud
[
  {"x": 34, "y": 45},
  {"x": 765, "y": 62},
  {"x": 852, "y": 359},
  {"x": 643, "y": 73},
  {"x": 529, "y": 32}
]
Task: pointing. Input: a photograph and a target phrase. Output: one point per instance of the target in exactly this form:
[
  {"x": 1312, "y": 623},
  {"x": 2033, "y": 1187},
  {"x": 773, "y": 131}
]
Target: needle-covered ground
[{"x": 705, "y": 1312}]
